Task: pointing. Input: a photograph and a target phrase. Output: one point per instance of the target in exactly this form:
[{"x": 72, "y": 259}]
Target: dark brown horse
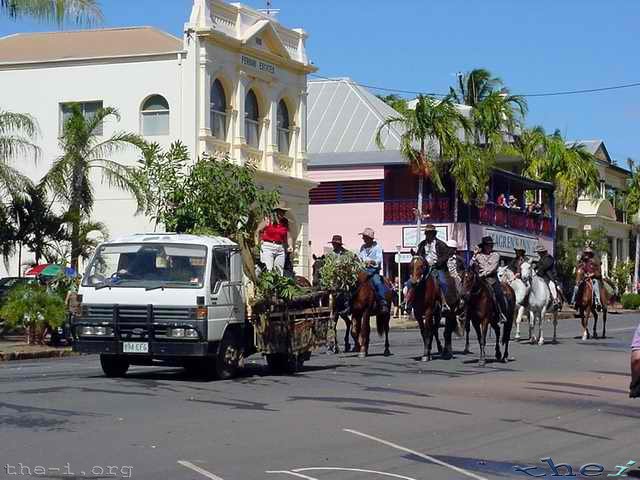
[
  {"x": 586, "y": 305},
  {"x": 364, "y": 305},
  {"x": 427, "y": 309},
  {"x": 340, "y": 302},
  {"x": 481, "y": 312}
]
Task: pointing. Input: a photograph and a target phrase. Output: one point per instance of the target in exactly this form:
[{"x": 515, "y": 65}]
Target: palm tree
[
  {"x": 17, "y": 132},
  {"x": 85, "y": 152},
  {"x": 429, "y": 137},
  {"x": 632, "y": 207},
  {"x": 80, "y": 12},
  {"x": 474, "y": 86}
]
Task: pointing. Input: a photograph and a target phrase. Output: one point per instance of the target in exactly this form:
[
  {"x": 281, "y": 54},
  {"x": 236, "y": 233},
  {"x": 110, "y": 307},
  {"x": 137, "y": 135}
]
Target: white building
[{"x": 235, "y": 84}]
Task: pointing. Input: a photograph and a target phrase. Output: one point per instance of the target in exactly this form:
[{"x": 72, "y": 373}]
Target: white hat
[{"x": 452, "y": 244}]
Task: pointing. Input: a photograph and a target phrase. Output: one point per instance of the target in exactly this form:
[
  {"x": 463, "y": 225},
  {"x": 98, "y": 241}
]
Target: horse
[
  {"x": 481, "y": 312},
  {"x": 340, "y": 303},
  {"x": 586, "y": 306},
  {"x": 521, "y": 291},
  {"x": 539, "y": 300},
  {"x": 427, "y": 309},
  {"x": 365, "y": 304}
]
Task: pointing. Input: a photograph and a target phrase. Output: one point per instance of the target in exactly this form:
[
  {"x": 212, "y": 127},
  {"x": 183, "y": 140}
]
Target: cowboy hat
[
  {"x": 282, "y": 206},
  {"x": 452, "y": 244},
  {"x": 486, "y": 241},
  {"x": 540, "y": 248},
  {"x": 336, "y": 239},
  {"x": 430, "y": 228},
  {"x": 368, "y": 232}
]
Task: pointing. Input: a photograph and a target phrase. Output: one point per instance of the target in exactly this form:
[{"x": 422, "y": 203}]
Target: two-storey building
[{"x": 235, "y": 84}]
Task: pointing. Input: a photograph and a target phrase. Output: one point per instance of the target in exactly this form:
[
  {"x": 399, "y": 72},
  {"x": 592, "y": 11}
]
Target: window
[
  {"x": 220, "y": 268},
  {"x": 251, "y": 120},
  {"x": 155, "y": 116},
  {"x": 284, "y": 133},
  {"x": 88, "y": 109},
  {"x": 619, "y": 253},
  {"x": 218, "y": 111}
]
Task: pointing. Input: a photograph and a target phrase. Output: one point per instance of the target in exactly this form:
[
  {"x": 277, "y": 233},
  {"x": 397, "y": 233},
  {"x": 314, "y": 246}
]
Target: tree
[
  {"x": 213, "y": 196},
  {"x": 396, "y": 102},
  {"x": 570, "y": 167},
  {"x": 17, "y": 132},
  {"x": 632, "y": 207},
  {"x": 80, "y": 12},
  {"x": 84, "y": 152},
  {"x": 430, "y": 135},
  {"x": 475, "y": 86}
]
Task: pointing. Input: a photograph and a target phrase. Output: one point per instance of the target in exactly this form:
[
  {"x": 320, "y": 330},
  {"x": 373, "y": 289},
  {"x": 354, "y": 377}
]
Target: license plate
[{"x": 135, "y": 347}]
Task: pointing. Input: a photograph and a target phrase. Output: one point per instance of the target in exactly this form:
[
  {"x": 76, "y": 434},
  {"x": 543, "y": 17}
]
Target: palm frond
[
  {"x": 118, "y": 142},
  {"x": 121, "y": 177},
  {"x": 80, "y": 12}
]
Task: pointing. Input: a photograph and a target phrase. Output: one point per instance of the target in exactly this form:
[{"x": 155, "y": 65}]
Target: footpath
[{"x": 14, "y": 348}]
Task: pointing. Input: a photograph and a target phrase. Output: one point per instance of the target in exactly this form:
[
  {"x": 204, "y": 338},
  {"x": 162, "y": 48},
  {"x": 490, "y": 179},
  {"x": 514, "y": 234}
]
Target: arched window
[
  {"x": 251, "y": 120},
  {"x": 218, "y": 111},
  {"x": 155, "y": 116},
  {"x": 284, "y": 132}
]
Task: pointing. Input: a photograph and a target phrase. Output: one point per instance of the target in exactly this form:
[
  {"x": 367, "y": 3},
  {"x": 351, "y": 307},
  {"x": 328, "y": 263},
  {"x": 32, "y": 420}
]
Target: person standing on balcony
[{"x": 275, "y": 239}]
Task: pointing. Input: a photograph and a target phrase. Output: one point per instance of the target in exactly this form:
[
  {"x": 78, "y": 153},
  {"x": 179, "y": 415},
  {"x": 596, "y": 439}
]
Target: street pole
[{"x": 399, "y": 249}]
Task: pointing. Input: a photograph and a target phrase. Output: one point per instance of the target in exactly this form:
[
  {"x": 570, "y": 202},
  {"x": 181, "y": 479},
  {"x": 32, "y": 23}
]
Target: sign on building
[
  {"x": 409, "y": 235},
  {"x": 505, "y": 242}
]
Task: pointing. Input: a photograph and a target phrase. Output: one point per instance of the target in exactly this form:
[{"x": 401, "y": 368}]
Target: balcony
[{"x": 440, "y": 210}]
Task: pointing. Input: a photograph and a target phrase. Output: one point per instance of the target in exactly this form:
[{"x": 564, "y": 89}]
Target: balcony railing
[{"x": 441, "y": 210}]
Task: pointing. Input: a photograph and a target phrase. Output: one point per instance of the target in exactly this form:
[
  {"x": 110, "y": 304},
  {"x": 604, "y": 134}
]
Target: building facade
[
  {"x": 362, "y": 186},
  {"x": 235, "y": 84}
]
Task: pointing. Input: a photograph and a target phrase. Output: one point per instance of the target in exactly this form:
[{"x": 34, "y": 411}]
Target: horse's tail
[{"x": 380, "y": 323}]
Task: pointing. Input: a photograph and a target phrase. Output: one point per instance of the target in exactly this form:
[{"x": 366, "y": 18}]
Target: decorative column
[
  {"x": 264, "y": 144},
  {"x": 271, "y": 136},
  {"x": 204, "y": 94},
  {"x": 238, "y": 134}
]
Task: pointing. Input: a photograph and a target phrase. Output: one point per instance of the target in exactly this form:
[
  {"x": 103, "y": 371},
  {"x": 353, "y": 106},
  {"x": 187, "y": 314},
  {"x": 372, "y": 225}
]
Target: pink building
[{"x": 361, "y": 186}]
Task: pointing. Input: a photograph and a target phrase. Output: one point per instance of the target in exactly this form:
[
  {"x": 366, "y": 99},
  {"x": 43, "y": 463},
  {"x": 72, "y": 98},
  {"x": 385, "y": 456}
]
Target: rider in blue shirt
[{"x": 371, "y": 254}]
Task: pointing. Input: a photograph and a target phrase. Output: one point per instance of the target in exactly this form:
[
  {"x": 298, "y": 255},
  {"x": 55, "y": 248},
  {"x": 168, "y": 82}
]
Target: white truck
[{"x": 177, "y": 299}]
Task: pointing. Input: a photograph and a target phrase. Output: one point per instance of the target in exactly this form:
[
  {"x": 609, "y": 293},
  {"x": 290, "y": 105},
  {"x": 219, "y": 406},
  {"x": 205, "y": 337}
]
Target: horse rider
[
  {"x": 517, "y": 262},
  {"x": 338, "y": 246},
  {"x": 546, "y": 268},
  {"x": 371, "y": 255},
  {"x": 455, "y": 264},
  {"x": 436, "y": 253},
  {"x": 488, "y": 261},
  {"x": 588, "y": 268}
]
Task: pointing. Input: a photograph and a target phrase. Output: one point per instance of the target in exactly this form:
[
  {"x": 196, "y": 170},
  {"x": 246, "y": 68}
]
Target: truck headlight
[
  {"x": 101, "y": 331},
  {"x": 176, "y": 332},
  {"x": 87, "y": 331},
  {"x": 191, "y": 333}
]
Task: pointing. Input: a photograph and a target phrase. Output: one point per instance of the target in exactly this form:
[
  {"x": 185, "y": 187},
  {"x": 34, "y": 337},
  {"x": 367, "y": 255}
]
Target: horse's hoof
[
  {"x": 554, "y": 341},
  {"x": 424, "y": 358},
  {"x": 387, "y": 353},
  {"x": 447, "y": 355},
  {"x": 584, "y": 337},
  {"x": 595, "y": 335},
  {"x": 541, "y": 341},
  {"x": 362, "y": 354},
  {"x": 466, "y": 351},
  {"x": 532, "y": 340},
  {"x": 482, "y": 362},
  {"x": 517, "y": 337},
  {"x": 347, "y": 348},
  {"x": 603, "y": 336}
]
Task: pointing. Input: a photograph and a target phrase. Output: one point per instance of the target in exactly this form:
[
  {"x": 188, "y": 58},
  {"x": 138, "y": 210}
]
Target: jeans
[
  {"x": 273, "y": 256},
  {"x": 442, "y": 280},
  {"x": 378, "y": 284}
]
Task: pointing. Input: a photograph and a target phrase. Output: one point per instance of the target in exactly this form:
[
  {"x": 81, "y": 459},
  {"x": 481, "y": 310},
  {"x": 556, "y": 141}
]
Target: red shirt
[{"x": 275, "y": 233}]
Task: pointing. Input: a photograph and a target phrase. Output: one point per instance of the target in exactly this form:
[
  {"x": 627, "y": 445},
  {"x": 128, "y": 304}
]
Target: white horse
[
  {"x": 539, "y": 301},
  {"x": 520, "y": 289}
]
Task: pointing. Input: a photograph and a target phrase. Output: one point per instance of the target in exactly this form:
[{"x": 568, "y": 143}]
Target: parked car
[{"x": 6, "y": 285}]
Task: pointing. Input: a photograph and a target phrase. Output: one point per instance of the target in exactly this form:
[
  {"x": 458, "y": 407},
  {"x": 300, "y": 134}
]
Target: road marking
[
  {"x": 201, "y": 471},
  {"x": 360, "y": 470},
  {"x": 293, "y": 474},
  {"x": 621, "y": 329},
  {"x": 418, "y": 454}
]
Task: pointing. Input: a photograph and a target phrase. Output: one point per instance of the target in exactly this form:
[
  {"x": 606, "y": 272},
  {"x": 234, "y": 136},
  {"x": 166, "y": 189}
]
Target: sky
[{"x": 535, "y": 46}]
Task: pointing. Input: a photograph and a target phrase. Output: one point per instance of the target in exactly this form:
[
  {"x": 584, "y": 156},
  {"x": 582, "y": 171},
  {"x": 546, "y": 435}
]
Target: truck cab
[{"x": 164, "y": 299}]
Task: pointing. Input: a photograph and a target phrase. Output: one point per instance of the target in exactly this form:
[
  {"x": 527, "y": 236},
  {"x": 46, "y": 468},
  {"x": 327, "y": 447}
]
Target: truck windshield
[{"x": 146, "y": 265}]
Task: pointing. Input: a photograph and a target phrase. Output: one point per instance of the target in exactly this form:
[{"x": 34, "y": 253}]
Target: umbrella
[{"x": 50, "y": 270}]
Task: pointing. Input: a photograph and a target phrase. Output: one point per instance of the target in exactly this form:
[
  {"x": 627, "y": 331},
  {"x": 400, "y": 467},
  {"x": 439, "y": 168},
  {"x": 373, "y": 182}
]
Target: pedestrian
[{"x": 634, "y": 388}]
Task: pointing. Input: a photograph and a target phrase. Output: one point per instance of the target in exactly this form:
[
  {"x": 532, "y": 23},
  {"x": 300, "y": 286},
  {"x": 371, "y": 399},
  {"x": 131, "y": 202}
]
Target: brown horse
[
  {"x": 586, "y": 305},
  {"x": 481, "y": 312},
  {"x": 364, "y": 305},
  {"x": 427, "y": 309}
]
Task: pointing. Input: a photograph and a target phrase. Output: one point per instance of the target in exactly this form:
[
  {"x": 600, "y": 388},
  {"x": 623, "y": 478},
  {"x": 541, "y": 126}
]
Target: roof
[
  {"x": 344, "y": 117},
  {"x": 598, "y": 148},
  {"x": 590, "y": 146},
  {"x": 86, "y": 44},
  {"x": 177, "y": 238}
]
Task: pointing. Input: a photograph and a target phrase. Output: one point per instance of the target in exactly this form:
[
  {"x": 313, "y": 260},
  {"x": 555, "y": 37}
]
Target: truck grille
[{"x": 137, "y": 321}]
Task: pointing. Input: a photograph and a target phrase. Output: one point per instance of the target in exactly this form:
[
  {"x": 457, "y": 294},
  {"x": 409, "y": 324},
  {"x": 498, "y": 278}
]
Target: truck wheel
[
  {"x": 229, "y": 356},
  {"x": 113, "y": 366}
]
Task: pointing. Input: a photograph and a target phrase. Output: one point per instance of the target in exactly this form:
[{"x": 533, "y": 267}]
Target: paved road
[{"x": 341, "y": 419}]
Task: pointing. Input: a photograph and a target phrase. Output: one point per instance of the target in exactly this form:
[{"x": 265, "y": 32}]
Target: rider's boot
[
  {"x": 445, "y": 305},
  {"x": 384, "y": 307}
]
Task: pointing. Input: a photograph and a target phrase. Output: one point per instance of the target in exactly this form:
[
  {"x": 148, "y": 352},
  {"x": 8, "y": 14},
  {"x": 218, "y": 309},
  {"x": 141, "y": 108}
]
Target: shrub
[
  {"x": 33, "y": 308},
  {"x": 621, "y": 276},
  {"x": 631, "y": 301}
]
